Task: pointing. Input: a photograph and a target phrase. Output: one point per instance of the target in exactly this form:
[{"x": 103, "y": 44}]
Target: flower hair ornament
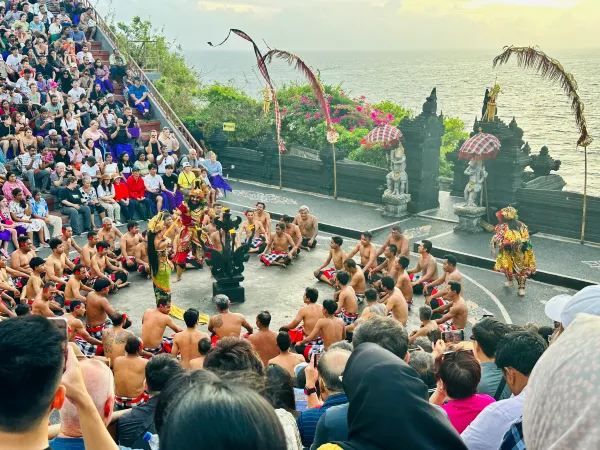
[
  {"x": 157, "y": 223},
  {"x": 509, "y": 213}
]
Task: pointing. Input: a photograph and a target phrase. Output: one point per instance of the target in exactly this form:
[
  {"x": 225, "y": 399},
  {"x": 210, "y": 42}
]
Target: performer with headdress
[
  {"x": 515, "y": 256},
  {"x": 158, "y": 256}
]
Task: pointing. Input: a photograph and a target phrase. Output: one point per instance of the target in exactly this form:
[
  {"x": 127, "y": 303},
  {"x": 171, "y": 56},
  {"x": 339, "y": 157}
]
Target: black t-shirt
[
  {"x": 72, "y": 196},
  {"x": 169, "y": 181},
  {"x": 6, "y": 130},
  {"x": 122, "y": 137},
  {"x": 46, "y": 70}
]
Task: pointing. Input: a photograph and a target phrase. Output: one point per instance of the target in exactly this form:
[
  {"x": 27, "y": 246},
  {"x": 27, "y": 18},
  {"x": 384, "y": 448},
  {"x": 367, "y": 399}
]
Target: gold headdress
[
  {"x": 509, "y": 213},
  {"x": 200, "y": 189},
  {"x": 157, "y": 223}
]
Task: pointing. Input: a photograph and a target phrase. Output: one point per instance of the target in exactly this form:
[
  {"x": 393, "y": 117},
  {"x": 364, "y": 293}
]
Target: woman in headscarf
[
  {"x": 515, "y": 256},
  {"x": 389, "y": 408},
  {"x": 562, "y": 407}
]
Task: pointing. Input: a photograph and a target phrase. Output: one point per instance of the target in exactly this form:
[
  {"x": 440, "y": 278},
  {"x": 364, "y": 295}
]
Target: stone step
[{"x": 149, "y": 125}]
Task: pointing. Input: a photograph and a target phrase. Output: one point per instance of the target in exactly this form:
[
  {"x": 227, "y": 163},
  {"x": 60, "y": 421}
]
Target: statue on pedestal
[
  {"x": 543, "y": 163},
  {"x": 396, "y": 197},
  {"x": 477, "y": 175}
]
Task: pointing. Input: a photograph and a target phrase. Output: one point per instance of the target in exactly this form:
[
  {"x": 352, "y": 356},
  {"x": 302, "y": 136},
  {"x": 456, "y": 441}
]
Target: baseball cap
[
  {"x": 586, "y": 301},
  {"x": 186, "y": 164}
]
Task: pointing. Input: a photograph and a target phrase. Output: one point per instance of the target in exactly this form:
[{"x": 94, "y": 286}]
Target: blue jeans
[{"x": 79, "y": 219}]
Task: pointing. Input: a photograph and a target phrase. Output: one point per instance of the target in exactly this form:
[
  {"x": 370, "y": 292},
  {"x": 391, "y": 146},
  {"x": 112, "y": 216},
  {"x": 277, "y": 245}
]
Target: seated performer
[
  {"x": 309, "y": 228},
  {"x": 455, "y": 312},
  {"x": 347, "y": 302},
  {"x": 293, "y": 231},
  {"x": 278, "y": 251},
  {"x": 57, "y": 264},
  {"x": 68, "y": 241},
  {"x": 336, "y": 255},
  {"x": 75, "y": 288},
  {"x": 252, "y": 228},
  {"x": 154, "y": 323},
  {"x": 129, "y": 371},
  {"x": 102, "y": 267},
  {"x": 20, "y": 257},
  {"x": 399, "y": 240},
  {"x": 114, "y": 338},
  {"x": 185, "y": 343},
  {"x": 308, "y": 316},
  {"x": 226, "y": 323},
  {"x": 129, "y": 241},
  {"x": 427, "y": 265},
  {"x": 98, "y": 308},
  {"x": 263, "y": 217},
  {"x": 34, "y": 282},
  {"x": 141, "y": 256},
  {"x": 89, "y": 249},
  {"x": 44, "y": 304},
  {"x": 366, "y": 250},
  {"x": 330, "y": 328},
  {"x": 89, "y": 345},
  {"x": 403, "y": 282},
  {"x": 374, "y": 308},
  {"x": 388, "y": 267},
  {"x": 394, "y": 300},
  {"x": 438, "y": 289},
  {"x": 357, "y": 279},
  {"x": 111, "y": 234}
]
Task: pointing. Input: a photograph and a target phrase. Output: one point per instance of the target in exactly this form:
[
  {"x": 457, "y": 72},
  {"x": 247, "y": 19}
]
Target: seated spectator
[
  {"x": 138, "y": 97},
  {"x": 458, "y": 374},
  {"x": 187, "y": 178},
  {"x": 516, "y": 354},
  {"x": 33, "y": 169},
  {"x": 118, "y": 65},
  {"x": 125, "y": 165},
  {"x": 58, "y": 179},
  {"x": 169, "y": 141},
  {"x": 89, "y": 197},
  {"x": 215, "y": 172},
  {"x": 279, "y": 391},
  {"x": 90, "y": 150},
  {"x": 154, "y": 186},
  {"x": 39, "y": 210},
  {"x": 374, "y": 415},
  {"x": 34, "y": 387},
  {"x": 172, "y": 196},
  {"x": 115, "y": 105},
  {"x": 137, "y": 194},
  {"x": 485, "y": 336},
  {"x": 12, "y": 183},
  {"x": 99, "y": 384},
  {"x": 384, "y": 331},
  {"x": 120, "y": 140},
  {"x": 106, "y": 198},
  {"x": 159, "y": 371},
  {"x": 110, "y": 166},
  {"x": 20, "y": 213},
  {"x": 164, "y": 159},
  {"x": 131, "y": 123},
  {"x": 192, "y": 408},
  {"x": 142, "y": 164},
  {"x": 331, "y": 366},
  {"x": 73, "y": 206},
  {"x": 423, "y": 363}
]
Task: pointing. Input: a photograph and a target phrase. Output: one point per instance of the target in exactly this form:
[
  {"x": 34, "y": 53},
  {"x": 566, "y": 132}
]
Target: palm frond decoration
[
  {"x": 552, "y": 70},
  {"x": 313, "y": 80}
]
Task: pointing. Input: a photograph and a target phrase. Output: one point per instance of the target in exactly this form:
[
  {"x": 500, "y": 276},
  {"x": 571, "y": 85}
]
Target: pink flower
[
  {"x": 359, "y": 108},
  {"x": 390, "y": 117},
  {"x": 336, "y": 120},
  {"x": 317, "y": 115},
  {"x": 307, "y": 116}
]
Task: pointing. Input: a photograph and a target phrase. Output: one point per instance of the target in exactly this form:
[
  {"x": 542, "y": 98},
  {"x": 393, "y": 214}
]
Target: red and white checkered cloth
[
  {"x": 385, "y": 135},
  {"x": 479, "y": 147}
]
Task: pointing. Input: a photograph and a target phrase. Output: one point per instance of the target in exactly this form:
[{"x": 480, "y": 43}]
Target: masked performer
[
  {"x": 158, "y": 256},
  {"x": 515, "y": 257}
]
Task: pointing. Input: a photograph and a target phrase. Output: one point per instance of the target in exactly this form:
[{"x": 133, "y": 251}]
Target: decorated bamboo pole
[
  {"x": 334, "y": 171},
  {"x": 280, "y": 172},
  {"x": 584, "y": 209}
]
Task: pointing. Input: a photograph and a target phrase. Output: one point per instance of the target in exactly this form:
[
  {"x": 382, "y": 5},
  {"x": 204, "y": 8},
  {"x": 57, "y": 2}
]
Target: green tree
[{"x": 453, "y": 134}]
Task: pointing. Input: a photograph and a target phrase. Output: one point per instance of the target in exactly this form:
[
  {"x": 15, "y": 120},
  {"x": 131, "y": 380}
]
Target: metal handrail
[{"x": 155, "y": 96}]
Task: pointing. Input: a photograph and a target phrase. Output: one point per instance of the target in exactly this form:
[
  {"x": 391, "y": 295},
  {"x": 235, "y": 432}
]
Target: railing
[{"x": 155, "y": 96}]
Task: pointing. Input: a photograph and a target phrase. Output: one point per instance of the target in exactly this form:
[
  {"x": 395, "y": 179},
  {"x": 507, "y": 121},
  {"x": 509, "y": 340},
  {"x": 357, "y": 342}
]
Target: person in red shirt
[
  {"x": 137, "y": 194},
  {"x": 122, "y": 196}
]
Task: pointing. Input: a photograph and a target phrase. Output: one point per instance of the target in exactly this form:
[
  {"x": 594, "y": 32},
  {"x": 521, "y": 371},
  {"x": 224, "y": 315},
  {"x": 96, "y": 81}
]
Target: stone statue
[
  {"x": 477, "y": 175},
  {"x": 397, "y": 179},
  {"x": 543, "y": 163},
  {"x": 490, "y": 103},
  {"x": 395, "y": 197}
]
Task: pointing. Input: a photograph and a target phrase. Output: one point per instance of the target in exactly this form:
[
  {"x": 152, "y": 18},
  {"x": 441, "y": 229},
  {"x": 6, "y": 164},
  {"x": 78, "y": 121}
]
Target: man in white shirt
[
  {"x": 90, "y": 169},
  {"x": 83, "y": 53},
  {"x": 516, "y": 355},
  {"x": 13, "y": 61},
  {"x": 23, "y": 83},
  {"x": 76, "y": 91},
  {"x": 164, "y": 159},
  {"x": 154, "y": 187}
]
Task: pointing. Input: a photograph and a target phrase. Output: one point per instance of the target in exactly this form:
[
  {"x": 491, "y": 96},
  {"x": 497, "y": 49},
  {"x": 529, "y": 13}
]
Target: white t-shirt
[
  {"x": 169, "y": 159},
  {"x": 153, "y": 183},
  {"x": 75, "y": 93},
  {"x": 90, "y": 171}
]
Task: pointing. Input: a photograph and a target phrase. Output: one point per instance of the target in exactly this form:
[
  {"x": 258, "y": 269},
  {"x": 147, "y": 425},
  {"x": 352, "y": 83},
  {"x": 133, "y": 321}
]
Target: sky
[{"x": 372, "y": 24}]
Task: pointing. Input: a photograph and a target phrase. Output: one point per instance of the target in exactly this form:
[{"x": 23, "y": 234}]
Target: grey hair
[
  {"x": 331, "y": 367},
  {"x": 383, "y": 331},
  {"x": 303, "y": 208},
  {"x": 221, "y": 301}
]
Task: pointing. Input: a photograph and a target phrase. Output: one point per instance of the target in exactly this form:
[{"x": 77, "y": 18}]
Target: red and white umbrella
[
  {"x": 479, "y": 147},
  {"x": 385, "y": 135}
]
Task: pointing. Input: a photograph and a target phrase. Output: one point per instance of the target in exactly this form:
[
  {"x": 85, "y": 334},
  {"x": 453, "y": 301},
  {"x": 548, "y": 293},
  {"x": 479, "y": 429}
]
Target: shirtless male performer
[
  {"x": 204, "y": 346},
  {"x": 264, "y": 340},
  {"x": 185, "y": 343},
  {"x": 439, "y": 287},
  {"x": 403, "y": 282},
  {"x": 347, "y": 302},
  {"x": 263, "y": 217},
  {"x": 19, "y": 259},
  {"x": 57, "y": 263},
  {"x": 366, "y": 250},
  {"x": 35, "y": 282},
  {"x": 395, "y": 301},
  {"x": 102, "y": 267},
  {"x": 129, "y": 241},
  {"x": 89, "y": 249},
  {"x": 374, "y": 308},
  {"x": 254, "y": 228},
  {"x": 75, "y": 288},
  {"x": 98, "y": 308},
  {"x": 293, "y": 231},
  {"x": 111, "y": 234},
  {"x": 330, "y": 328},
  {"x": 278, "y": 252},
  {"x": 68, "y": 241},
  {"x": 225, "y": 323},
  {"x": 388, "y": 267},
  {"x": 456, "y": 312},
  {"x": 44, "y": 304},
  {"x": 398, "y": 239},
  {"x": 426, "y": 264},
  {"x": 114, "y": 338},
  {"x": 89, "y": 345},
  {"x": 309, "y": 228},
  {"x": 308, "y": 316},
  {"x": 427, "y": 325},
  {"x": 336, "y": 255},
  {"x": 357, "y": 279},
  {"x": 130, "y": 374},
  {"x": 154, "y": 323},
  {"x": 286, "y": 359},
  {"x": 141, "y": 256}
]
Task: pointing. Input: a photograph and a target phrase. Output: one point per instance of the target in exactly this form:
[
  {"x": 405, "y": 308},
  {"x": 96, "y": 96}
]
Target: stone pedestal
[
  {"x": 231, "y": 288},
  {"x": 395, "y": 205},
  {"x": 469, "y": 218}
]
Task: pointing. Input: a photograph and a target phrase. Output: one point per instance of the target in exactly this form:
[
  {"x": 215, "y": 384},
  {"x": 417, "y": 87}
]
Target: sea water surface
[{"x": 540, "y": 107}]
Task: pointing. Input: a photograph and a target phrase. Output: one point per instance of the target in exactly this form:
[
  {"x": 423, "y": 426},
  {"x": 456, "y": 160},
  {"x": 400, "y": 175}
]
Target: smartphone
[
  {"x": 315, "y": 359},
  {"x": 453, "y": 337}
]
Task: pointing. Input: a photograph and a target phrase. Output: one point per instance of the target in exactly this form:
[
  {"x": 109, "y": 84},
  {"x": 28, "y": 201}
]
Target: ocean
[{"x": 540, "y": 107}]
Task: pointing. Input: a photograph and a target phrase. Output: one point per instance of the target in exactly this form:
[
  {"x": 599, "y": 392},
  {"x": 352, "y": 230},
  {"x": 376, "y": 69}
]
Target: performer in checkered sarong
[
  {"x": 88, "y": 344},
  {"x": 130, "y": 376},
  {"x": 252, "y": 229},
  {"x": 337, "y": 257},
  {"x": 98, "y": 308},
  {"x": 154, "y": 323},
  {"x": 277, "y": 252}
]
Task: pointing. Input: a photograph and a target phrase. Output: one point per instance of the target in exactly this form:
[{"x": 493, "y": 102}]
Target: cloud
[
  {"x": 239, "y": 8},
  {"x": 560, "y": 4}
]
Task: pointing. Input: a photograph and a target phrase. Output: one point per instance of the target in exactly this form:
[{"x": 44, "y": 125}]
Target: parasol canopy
[
  {"x": 480, "y": 147},
  {"x": 385, "y": 135}
]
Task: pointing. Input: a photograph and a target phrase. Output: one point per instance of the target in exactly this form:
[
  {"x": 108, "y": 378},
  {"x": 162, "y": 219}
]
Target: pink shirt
[{"x": 463, "y": 411}]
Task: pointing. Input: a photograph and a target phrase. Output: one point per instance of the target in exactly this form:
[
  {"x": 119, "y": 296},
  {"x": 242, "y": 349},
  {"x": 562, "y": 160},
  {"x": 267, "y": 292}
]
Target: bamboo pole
[
  {"x": 280, "y": 176},
  {"x": 334, "y": 171},
  {"x": 584, "y": 211}
]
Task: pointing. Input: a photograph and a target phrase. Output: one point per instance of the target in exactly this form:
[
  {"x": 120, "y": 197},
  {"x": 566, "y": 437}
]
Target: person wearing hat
[
  {"x": 106, "y": 196},
  {"x": 186, "y": 179},
  {"x": 562, "y": 309},
  {"x": 515, "y": 256}
]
